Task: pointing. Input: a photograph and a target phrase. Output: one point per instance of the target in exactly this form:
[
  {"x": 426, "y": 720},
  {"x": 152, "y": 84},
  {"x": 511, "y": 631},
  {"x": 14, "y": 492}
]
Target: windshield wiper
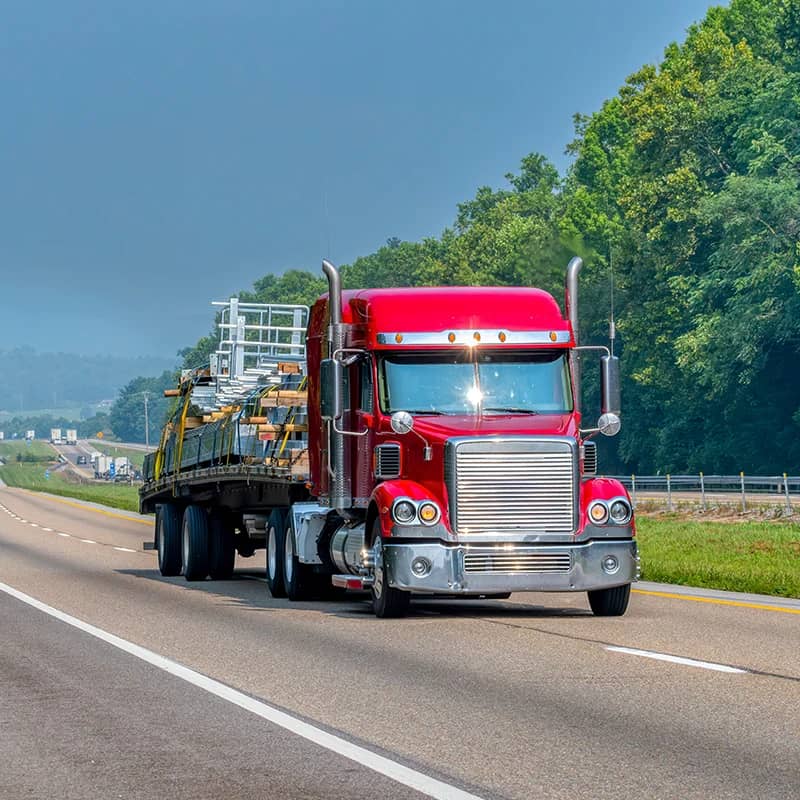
[{"x": 509, "y": 410}]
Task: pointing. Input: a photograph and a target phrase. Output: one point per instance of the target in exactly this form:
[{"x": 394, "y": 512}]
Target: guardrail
[{"x": 713, "y": 491}]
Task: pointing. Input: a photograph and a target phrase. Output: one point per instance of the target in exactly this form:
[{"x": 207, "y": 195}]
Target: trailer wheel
[
  {"x": 298, "y": 578},
  {"x": 195, "y": 544},
  {"x": 168, "y": 539},
  {"x": 610, "y": 602},
  {"x": 386, "y": 600},
  {"x": 276, "y": 534},
  {"x": 221, "y": 547}
]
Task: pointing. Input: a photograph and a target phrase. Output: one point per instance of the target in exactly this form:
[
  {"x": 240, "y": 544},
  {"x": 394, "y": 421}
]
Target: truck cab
[{"x": 444, "y": 430}]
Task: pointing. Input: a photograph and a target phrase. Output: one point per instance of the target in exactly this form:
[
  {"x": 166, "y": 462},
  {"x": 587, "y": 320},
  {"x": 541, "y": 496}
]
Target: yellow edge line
[
  {"x": 88, "y": 508},
  {"x": 719, "y": 602}
]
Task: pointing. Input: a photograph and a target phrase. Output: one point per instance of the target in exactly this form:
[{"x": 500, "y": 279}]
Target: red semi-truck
[{"x": 408, "y": 442}]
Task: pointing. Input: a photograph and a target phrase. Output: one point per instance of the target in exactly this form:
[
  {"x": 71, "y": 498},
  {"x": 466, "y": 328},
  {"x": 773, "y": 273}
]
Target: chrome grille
[
  {"x": 511, "y": 562},
  {"x": 387, "y": 461},
  {"x": 509, "y": 486}
]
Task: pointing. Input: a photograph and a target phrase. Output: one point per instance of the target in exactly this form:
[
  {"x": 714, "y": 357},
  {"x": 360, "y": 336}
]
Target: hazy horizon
[{"x": 158, "y": 156}]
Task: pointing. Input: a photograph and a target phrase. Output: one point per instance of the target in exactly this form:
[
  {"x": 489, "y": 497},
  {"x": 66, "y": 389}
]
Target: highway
[{"x": 120, "y": 683}]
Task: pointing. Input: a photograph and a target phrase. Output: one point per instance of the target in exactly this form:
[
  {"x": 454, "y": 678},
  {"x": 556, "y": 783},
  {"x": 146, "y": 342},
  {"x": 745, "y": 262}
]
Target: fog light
[
  {"x": 420, "y": 567},
  {"x": 620, "y": 512},
  {"x": 428, "y": 513},
  {"x": 404, "y": 511},
  {"x": 610, "y": 565},
  {"x": 598, "y": 512}
]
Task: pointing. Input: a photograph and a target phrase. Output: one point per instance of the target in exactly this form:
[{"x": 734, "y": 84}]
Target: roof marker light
[
  {"x": 553, "y": 336},
  {"x": 451, "y": 337},
  {"x": 398, "y": 337},
  {"x": 476, "y": 336},
  {"x": 501, "y": 336}
]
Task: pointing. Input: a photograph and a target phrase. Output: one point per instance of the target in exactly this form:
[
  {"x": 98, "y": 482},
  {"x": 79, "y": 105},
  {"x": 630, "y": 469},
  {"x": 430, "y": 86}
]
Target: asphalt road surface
[{"x": 117, "y": 682}]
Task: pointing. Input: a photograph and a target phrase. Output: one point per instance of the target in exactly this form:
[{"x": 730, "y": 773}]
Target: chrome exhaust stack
[
  {"x": 332, "y": 391},
  {"x": 573, "y": 270}
]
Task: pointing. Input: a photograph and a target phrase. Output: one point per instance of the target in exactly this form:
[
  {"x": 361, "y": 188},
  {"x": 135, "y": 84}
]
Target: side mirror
[
  {"x": 609, "y": 424},
  {"x": 401, "y": 422},
  {"x": 330, "y": 384},
  {"x": 610, "y": 402}
]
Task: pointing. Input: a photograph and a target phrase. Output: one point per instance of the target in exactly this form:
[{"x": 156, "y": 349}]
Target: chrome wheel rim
[
  {"x": 377, "y": 585},
  {"x": 185, "y": 547},
  {"x": 288, "y": 557},
  {"x": 272, "y": 555}
]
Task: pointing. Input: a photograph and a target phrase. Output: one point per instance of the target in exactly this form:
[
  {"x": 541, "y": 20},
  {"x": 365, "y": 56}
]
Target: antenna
[{"x": 612, "y": 328}]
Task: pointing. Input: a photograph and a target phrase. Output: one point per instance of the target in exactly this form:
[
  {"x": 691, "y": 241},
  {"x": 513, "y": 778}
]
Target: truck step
[{"x": 356, "y": 583}]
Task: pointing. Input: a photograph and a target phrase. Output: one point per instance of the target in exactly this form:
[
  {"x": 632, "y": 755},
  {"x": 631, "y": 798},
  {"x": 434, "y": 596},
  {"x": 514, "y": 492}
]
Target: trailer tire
[
  {"x": 386, "y": 600},
  {"x": 611, "y": 602},
  {"x": 221, "y": 547},
  {"x": 276, "y": 532},
  {"x": 168, "y": 539},
  {"x": 298, "y": 579},
  {"x": 195, "y": 544}
]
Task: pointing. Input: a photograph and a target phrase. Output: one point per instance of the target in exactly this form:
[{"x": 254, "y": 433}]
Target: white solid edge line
[
  {"x": 377, "y": 763},
  {"x": 688, "y": 662}
]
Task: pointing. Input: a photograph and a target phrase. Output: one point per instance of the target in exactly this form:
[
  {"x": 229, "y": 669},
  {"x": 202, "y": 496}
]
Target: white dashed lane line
[
  {"x": 687, "y": 662},
  {"x": 66, "y": 535}
]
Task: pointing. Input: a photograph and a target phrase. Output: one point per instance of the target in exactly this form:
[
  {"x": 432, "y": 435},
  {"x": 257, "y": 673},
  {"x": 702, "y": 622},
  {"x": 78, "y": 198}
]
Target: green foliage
[{"x": 127, "y": 416}]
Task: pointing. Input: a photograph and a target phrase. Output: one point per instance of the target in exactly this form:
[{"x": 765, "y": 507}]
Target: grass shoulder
[{"x": 761, "y": 557}]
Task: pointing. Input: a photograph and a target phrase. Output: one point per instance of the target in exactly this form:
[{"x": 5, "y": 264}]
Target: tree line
[{"x": 683, "y": 196}]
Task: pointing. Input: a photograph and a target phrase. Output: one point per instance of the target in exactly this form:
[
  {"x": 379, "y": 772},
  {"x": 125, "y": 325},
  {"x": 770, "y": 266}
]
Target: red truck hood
[{"x": 441, "y": 428}]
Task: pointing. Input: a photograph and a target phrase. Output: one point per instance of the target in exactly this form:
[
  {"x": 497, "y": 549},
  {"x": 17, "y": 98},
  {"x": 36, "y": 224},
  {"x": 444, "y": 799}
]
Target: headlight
[
  {"x": 620, "y": 512},
  {"x": 404, "y": 511},
  {"x": 428, "y": 513},
  {"x": 598, "y": 512}
]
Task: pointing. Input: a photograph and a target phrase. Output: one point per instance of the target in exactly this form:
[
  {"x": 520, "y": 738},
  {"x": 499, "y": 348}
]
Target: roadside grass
[
  {"x": 10, "y": 449},
  {"x": 31, "y": 476},
  {"x": 755, "y": 557}
]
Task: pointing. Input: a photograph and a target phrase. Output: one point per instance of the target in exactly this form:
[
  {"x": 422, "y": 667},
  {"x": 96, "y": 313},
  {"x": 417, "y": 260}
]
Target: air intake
[
  {"x": 589, "y": 459},
  {"x": 387, "y": 461}
]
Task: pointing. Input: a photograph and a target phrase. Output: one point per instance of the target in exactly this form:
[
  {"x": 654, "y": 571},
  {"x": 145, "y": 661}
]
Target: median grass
[
  {"x": 10, "y": 450},
  {"x": 32, "y": 476},
  {"x": 756, "y": 557}
]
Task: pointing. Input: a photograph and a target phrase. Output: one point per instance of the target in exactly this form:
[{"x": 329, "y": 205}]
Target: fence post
[
  {"x": 702, "y": 493},
  {"x": 669, "y": 494},
  {"x": 633, "y": 491},
  {"x": 744, "y": 501},
  {"x": 786, "y": 492}
]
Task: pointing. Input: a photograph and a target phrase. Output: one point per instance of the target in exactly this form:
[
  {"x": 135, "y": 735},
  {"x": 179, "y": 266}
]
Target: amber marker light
[
  {"x": 476, "y": 336},
  {"x": 398, "y": 337},
  {"x": 553, "y": 336},
  {"x": 501, "y": 336},
  {"x": 451, "y": 337}
]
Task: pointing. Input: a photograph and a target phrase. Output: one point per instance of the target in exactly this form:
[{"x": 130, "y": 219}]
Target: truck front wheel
[
  {"x": 275, "y": 548},
  {"x": 386, "y": 600},
  {"x": 195, "y": 544},
  {"x": 297, "y": 578},
  {"x": 610, "y": 602},
  {"x": 168, "y": 539}
]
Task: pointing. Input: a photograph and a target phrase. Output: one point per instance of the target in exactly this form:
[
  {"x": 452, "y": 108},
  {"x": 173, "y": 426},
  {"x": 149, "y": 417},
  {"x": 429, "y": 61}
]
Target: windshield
[{"x": 471, "y": 382}]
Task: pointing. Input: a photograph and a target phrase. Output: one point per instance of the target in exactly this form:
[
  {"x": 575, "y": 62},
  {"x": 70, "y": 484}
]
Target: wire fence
[{"x": 711, "y": 492}]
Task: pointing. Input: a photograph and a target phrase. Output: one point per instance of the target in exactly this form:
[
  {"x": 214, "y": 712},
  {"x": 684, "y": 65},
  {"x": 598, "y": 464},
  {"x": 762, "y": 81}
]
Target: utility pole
[{"x": 146, "y": 396}]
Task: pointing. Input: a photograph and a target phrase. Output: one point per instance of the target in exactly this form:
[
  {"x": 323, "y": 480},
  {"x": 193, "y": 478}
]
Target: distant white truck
[
  {"x": 30, "y": 436},
  {"x": 55, "y": 436},
  {"x": 72, "y": 436}
]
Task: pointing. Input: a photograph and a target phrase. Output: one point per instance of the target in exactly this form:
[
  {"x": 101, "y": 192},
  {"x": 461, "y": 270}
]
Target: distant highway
[{"x": 216, "y": 690}]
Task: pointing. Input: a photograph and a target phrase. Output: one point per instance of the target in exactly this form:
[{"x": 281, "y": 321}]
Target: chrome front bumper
[{"x": 493, "y": 569}]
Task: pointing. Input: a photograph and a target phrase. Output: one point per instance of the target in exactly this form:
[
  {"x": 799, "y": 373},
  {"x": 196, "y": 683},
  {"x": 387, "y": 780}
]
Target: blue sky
[{"x": 157, "y": 155}]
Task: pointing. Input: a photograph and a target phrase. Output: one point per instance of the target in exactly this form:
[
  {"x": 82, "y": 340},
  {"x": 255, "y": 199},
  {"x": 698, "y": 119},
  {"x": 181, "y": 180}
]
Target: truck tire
[
  {"x": 168, "y": 539},
  {"x": 298, "y": 579},
  {"x": 386, "y": 601},
  {"x": 221, "y": 547},
  {"x": 195, "y": 544},
  {"x": 610, "y": 602},
  {"x": 276, "y": 534}
]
